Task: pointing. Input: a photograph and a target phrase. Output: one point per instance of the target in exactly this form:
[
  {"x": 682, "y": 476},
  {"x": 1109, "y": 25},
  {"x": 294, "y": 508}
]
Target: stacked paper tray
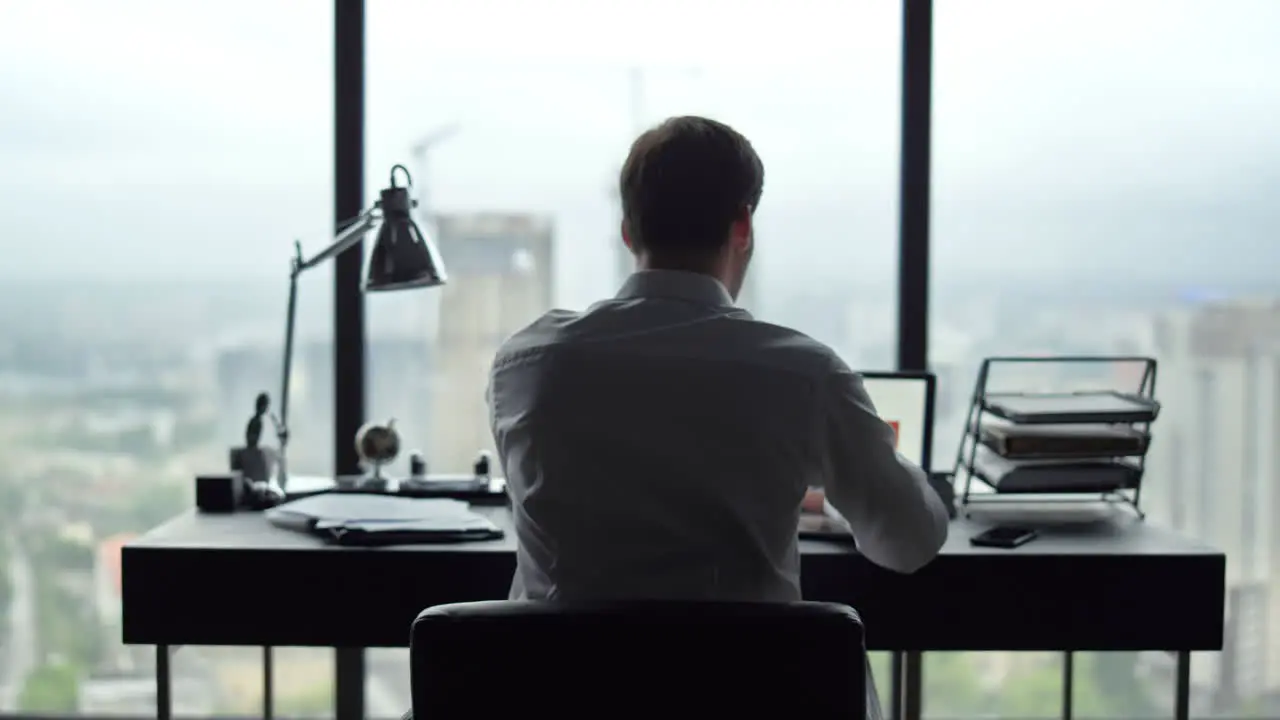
[
  {"x": 1101, "y": 408},
  {"x": 1085, "y": 475},
  {"x": 1045, "y": 442}
]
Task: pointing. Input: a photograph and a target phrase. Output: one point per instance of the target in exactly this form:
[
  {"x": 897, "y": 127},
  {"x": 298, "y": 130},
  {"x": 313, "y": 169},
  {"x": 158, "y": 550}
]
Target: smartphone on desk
[{"x": 1006, "y": 537}]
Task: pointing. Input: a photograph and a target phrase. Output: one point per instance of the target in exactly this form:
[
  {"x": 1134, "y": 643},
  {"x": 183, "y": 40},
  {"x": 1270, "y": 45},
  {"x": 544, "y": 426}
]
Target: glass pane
[
  {"x": 1104, "y": 182},
  {"x": 882, "y": 675},
  {"x": 522, "y": 113},
  {"x": 159, "y": 159},
  {"x": 1021, "y": 686}
]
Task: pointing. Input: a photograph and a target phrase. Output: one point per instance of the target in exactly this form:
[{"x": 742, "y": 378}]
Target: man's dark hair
[{"x": 684, "y": 184}]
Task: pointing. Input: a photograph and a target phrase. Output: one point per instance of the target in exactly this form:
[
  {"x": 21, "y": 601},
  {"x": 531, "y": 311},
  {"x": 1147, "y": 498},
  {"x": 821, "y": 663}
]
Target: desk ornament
[
  {"x": 257, "y": 464},
  {"x": 478, "y": 487},
  {"x": 417, "y": 465},
  {"x": 377, "y": 445}
]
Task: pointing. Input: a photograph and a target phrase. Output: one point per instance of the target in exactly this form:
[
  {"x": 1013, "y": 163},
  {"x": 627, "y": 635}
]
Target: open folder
[{"x": 370, "y": 519}]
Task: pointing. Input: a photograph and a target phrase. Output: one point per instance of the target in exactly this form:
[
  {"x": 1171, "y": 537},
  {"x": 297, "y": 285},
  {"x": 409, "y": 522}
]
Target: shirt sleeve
[{"x": 897, "y": 519}]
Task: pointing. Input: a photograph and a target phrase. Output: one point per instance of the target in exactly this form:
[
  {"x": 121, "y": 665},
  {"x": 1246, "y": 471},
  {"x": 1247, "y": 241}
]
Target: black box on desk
[{"x": 221, "y": 493}]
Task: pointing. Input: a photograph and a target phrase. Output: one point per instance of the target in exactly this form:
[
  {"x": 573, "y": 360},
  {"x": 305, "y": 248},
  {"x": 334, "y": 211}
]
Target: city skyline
[
  {"x": 828, "y": 136},
  {"x": 1102, "y": 181}
]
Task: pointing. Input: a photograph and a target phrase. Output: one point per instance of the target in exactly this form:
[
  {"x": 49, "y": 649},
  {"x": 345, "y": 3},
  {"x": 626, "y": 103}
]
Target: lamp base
[{"x": 232, "y": 492}]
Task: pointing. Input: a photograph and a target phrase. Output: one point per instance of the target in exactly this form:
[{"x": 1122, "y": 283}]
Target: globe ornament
[{"x": 378, "y": 444}]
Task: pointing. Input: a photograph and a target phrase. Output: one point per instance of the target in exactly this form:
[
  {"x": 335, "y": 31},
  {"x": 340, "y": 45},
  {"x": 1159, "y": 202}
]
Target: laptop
[{"x": 905, "y": 401}]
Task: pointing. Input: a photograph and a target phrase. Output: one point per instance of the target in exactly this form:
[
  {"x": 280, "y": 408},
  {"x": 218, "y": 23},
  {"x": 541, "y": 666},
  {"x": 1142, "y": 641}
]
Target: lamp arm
[
  {"x": 350, "y": 234},
  {"x": 291, "y": 313},
  {"x": 347, "y": 237}
]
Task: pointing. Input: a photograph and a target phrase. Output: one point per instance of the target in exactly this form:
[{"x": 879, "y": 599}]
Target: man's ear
[
  {"x": 626, "y": 236},
  {"x": 740, "y": 232}
]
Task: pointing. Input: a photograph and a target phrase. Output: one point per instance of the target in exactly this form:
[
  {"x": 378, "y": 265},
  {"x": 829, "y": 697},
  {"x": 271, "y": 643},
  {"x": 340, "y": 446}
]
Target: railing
[{"x": 905, "y": 685}]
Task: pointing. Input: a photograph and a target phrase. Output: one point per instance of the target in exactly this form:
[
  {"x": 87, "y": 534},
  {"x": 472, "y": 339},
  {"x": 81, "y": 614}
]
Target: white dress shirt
[{"x": 658, "y": 446}]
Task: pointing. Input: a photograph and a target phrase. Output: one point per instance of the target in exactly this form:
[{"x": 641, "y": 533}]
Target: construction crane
[{"x": 421, "y": 151}]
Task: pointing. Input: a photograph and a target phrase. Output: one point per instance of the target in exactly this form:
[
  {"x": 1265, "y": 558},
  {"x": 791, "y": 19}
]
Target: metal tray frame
[{"x": 979, "y": 407}]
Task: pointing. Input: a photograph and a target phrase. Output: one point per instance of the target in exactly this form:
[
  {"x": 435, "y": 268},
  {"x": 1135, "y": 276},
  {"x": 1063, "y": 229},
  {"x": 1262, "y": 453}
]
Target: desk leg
[
  {"x": 348, "y": 689},
  {"x": 912, "y": 686},
  {"x": 895, "y": 685},
  {"x": 164, "y": 700},
  {"x": 1182, "y": 687},
  {"x": 268, "y": 689},
  {"x": 1068, "y": 684}
]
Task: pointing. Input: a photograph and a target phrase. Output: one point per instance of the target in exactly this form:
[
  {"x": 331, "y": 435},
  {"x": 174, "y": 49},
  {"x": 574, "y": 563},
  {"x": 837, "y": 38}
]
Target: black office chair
[{"x": 656, "y": 659}]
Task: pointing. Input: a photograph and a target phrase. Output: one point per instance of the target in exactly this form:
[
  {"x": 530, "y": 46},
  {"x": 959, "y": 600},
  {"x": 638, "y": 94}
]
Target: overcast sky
[{"x": 193, "y": 138}]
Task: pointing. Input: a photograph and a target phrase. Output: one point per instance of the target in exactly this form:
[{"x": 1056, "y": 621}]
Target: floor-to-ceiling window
[
  {"x": 1100, "y": 169},
  {"x": 157, "y": 160},
  {"x": 1104, "y": 182},
  {"x": 515, "y": 117}
]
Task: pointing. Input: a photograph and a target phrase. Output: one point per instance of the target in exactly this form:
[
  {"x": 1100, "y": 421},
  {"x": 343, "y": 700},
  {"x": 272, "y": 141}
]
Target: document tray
[
  {"x": 1018, "y": 442},
  {"x": 1064, "y": 408}
]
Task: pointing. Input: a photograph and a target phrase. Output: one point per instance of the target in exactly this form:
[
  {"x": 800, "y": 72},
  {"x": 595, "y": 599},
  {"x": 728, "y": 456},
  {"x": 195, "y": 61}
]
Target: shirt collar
[{"x": 676, "y": 284}]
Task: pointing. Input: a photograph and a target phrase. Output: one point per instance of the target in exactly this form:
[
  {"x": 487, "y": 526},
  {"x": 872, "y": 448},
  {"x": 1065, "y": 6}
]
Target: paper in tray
[
  {"x": 1055, "y": 476},
  {"x": 1063, "y": 441},
  {"x": 1069, "y": 408}
]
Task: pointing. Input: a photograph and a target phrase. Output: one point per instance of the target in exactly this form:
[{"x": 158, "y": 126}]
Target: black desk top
[
  {"x": 1106, "y": 586},
  {"x": 249, "y": 531}
]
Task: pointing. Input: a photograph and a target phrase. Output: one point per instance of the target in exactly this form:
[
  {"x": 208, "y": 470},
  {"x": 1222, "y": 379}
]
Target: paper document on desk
[
  {"x": 362, "y": 507},
  {"x": 366, "y": 519}
]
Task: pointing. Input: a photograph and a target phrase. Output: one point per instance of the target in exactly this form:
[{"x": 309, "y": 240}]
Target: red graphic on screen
[{"x": 894, "y": 424}]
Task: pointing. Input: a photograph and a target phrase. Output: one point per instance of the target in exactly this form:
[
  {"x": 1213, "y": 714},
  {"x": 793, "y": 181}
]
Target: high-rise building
[
  {"x": 500, "y": 280},
  {"x": 399, "y": 388},
  {"x": 1214, "y": 470},
  {"x": 243, "y": 372}
]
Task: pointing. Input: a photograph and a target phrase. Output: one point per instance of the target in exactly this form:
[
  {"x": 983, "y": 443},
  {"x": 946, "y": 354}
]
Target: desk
[{"x": 1122, "y": 586}]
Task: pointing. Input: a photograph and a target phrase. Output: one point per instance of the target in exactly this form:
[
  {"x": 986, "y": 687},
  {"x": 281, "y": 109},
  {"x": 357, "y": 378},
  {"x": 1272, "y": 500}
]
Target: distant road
[{"x": 18, "y": 654}]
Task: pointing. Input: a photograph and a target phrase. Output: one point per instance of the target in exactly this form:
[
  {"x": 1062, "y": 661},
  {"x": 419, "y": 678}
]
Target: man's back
[{"x": 659, "y": 445}]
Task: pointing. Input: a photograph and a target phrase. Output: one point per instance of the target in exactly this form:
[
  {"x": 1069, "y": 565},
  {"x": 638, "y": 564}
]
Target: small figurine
[
  {"x": 255, "y": 461},
  {"x": 253, "y": 430}
]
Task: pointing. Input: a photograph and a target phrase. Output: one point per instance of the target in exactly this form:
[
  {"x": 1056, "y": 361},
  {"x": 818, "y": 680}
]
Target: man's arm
[{"x": 898, "y": 520}]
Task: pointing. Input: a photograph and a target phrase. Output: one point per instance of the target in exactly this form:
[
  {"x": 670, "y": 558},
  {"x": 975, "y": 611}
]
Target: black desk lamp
[{"x": 403, "y": 258}]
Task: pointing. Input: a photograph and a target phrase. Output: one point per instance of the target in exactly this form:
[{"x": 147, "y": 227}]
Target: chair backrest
[{"x": 661, "y": 659}]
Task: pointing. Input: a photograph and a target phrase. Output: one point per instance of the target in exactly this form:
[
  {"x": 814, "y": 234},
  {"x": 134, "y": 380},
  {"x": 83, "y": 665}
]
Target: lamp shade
[{"x": 403, "y": 256}]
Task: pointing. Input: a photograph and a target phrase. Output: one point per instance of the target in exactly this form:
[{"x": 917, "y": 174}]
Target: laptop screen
[{"x": 904, "y": 402}]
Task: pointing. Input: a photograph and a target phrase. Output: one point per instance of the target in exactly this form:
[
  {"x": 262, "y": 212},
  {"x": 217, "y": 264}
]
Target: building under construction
[{"x": 501, "y": 278}]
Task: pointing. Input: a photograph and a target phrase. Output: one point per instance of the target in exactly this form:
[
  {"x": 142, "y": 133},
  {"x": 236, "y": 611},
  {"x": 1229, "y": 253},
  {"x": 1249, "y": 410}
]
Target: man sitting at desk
[{"x": 660, "y": 444}]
